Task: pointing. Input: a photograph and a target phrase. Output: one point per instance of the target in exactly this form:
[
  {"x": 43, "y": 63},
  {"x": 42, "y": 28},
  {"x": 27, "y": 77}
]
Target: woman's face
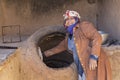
[{"x": 69, "y": 21}]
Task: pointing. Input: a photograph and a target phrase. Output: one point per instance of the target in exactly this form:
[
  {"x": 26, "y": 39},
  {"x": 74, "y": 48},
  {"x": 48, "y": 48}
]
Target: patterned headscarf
[{"x": 71, "y": 13}]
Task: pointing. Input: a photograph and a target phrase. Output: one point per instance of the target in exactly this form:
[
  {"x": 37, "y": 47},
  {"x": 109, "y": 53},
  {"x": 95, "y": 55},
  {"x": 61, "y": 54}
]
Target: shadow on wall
[{"x": 38, "y": 7}]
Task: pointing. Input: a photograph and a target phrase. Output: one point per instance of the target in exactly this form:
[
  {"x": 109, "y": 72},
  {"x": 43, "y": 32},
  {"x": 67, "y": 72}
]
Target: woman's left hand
[{"x": 92, "y": 64}]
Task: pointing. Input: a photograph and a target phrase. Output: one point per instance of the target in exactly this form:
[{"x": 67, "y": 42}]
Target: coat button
[
  {"x": 74, "y": 38},
  {"x": 76, "y": 45},
  {"x": 82, "y": 64}
]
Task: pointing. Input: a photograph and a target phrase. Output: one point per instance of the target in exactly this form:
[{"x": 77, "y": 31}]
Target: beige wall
[
  {"x": 109, "y": 17},
  {"x": 22, "y": 13}
]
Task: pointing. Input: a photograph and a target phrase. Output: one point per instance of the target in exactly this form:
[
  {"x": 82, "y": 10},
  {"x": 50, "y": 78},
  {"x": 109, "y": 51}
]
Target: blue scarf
[{"x": 70, "y": 28}]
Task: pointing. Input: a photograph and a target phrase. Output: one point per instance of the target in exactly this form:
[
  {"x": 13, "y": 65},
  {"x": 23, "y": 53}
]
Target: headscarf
[{"x": 71, "y": 13}]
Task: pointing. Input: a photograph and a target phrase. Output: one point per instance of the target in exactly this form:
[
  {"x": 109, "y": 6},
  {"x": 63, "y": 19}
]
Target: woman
[{"x": 84, "y": 41}]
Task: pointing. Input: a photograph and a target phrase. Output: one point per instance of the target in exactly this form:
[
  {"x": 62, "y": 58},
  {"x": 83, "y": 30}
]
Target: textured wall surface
[
  {"x": 109, "y": 17},
  {"x": 22, "y": 66},
  {"x": 33, "y": 14}
]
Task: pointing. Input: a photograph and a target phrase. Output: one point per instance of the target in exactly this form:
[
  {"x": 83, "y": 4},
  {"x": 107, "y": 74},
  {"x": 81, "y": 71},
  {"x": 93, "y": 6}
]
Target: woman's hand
[{"x": 92, "y": 64}]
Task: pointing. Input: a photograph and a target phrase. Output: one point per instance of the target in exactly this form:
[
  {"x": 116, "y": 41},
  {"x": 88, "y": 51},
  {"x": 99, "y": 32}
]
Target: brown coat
[{"x": 88, "y": 41}]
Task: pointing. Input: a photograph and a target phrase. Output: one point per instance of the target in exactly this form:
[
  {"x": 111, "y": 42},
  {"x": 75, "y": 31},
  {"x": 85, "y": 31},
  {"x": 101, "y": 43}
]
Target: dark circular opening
[{"x": 59, "y": 60}]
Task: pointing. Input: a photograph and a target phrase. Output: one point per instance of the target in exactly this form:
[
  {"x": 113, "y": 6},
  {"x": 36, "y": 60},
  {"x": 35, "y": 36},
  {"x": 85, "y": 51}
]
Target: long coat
[{"x": 88, "y": 41}]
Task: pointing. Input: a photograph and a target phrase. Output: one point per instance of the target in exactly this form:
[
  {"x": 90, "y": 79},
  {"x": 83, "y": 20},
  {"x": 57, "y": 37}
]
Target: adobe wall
[
  {"x": 33, "y": 14},
  {"x": 109, "y": 17}
]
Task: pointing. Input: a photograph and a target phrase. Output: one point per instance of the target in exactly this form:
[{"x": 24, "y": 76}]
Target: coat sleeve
[
  {"x": 92, "y": 34},
  {"x": 59, "y": 48}
]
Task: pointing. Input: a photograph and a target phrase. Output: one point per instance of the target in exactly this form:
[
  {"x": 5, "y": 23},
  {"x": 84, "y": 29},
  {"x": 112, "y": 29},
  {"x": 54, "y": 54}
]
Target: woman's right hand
[{"x": 92, "y": 64}]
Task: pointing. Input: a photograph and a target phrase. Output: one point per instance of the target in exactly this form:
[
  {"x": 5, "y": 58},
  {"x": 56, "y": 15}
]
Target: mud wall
[
  {"x": 33, "y": 14},
  {"x": 10, "y": 68},
  {"x": 109, "y": 17},
  {"x": 25, "y": 64},
  {"x": 114, "y": 57}
]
